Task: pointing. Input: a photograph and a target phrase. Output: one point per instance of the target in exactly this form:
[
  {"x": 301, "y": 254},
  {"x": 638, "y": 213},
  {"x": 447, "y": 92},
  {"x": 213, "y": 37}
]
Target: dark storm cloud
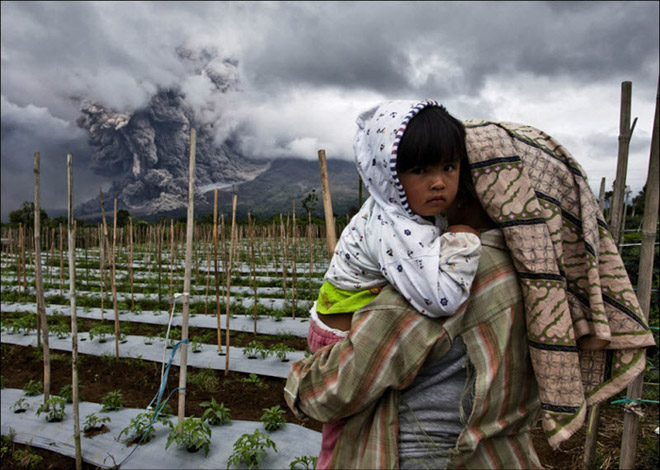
[{"x": 295, "y": 74}]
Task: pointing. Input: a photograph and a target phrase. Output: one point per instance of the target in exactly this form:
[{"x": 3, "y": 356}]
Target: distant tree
[
  {"x": 310, "y": 201},
  {"x": 25, "y": 215},
  {"x": 122, "y": 217},
  {"x": 61, "y": 219}
]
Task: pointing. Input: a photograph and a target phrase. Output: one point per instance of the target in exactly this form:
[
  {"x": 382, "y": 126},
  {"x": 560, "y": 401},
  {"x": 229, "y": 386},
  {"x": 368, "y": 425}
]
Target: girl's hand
[{"x": 462, "y": 228}]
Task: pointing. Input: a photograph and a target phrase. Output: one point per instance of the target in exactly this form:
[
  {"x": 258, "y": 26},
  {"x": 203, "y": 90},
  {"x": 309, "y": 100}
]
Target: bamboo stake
[
  {"x": 22, "y": 261},
  {"x": 616, "y": 210},
  {"x": 190, "y": 221},
  {"x": 105, "y": 229},
  {"x": 171, "y": 263},
  {"x": 52, "y": 253},
  {"x": 74, "y": 319},
  {"x": 102, "y": 270},
  {"x": 228, "y": 269},
  {"x": 113, "y": 280},
  {"x": 625, "y": 134},
  {"x": 284, "y": 237},
  {"x": 161, "y": 234},
  {"x": 294, "y": 300},
  {"x": 61, "y": 262},
  {"x": 331, "y": 235},
  {"x": 647, "y": 252},
  {"x": 217, "y": 279},
  {"x": 130, "y": 260},
  {"x": 309, "y": 242},
  {"x": 254, "y": 270},
  {"x": 41, "y": 307},
  {"x": 601, "y": 196}
]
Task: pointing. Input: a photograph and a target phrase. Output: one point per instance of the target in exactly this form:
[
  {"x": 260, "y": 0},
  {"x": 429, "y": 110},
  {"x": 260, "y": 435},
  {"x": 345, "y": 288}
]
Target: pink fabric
[{"x": 316, "y": 339}]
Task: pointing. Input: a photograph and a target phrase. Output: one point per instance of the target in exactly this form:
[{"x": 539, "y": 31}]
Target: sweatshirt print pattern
[{"x": 386, "y": 242}]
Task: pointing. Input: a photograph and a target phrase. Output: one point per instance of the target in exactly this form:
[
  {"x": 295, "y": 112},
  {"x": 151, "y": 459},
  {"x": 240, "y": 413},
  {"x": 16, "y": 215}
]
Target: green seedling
[
  {"x": 33, "y": 388},
  {"x": 254, "y": 380},
  {"x": 20, "y": 406},
  {"x": 194, "y": 434},
  {"x": 66, "y": 392},
  {"x": 250, "y": 449},
  {"x": 281, "y": 350},
  {"x": 93, "y": 422},
  {"x": 54, "y": 409},
  {"x": 101, "y": 332},
  {"x": 273, "y": 418},
  {"x": 141, "y": 427},
  {"x": 304, "y": 462},
  {"x": 112, "y": 401},
  {"x": 216, "y": 413}
]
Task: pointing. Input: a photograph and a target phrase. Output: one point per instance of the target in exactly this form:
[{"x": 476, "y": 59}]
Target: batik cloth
[{"x": 585, "y": 327}]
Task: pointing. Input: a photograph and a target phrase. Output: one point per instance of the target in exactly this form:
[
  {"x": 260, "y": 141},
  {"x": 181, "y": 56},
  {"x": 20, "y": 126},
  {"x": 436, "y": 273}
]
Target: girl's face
[{"x": 431, "y": 190}]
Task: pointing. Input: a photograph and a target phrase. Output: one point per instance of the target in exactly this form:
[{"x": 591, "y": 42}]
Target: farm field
[{"x": 264, "y": 295}]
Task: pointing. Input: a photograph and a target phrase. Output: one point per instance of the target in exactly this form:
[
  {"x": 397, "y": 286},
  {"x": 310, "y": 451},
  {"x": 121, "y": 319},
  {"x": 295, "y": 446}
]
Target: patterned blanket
[{"x": 585, "y": 327}]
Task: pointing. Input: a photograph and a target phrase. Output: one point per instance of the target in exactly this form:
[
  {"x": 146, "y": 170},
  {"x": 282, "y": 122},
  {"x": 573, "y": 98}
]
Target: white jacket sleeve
[{"x": 439, "y": 281}]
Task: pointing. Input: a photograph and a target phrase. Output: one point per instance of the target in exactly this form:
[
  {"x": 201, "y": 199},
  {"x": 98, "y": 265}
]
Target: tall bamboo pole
[
  {"x": 216, "y": 275},
  {"x": 646, "y": 255},
  {"x": 74, "y": 319},
  {"x": 61, "y": 262},
  {"x": 228, "y": 271},
  {"x": 130, "y": 260},
  {"x": 294, "y": 277},
  {"x": 21, "y": 269},
  {"x": 190, "y": 222},
  {"x": 284, "y": 233},
  {"x": 625, "y": 134},
  {"x": 171, "y": 263},
  {"x": 331, "y": 235},
  {"x": 114, "y": 281},
  {"x": 616, "y": 221},
  {"x": 254, "y": 270},
  {"x": 601, "y": 196},
  {"x": 41, "y": 307}
]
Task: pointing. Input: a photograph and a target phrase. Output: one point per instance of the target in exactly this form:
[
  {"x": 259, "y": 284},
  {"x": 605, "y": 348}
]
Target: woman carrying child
[{"x": 552, "y": 324}]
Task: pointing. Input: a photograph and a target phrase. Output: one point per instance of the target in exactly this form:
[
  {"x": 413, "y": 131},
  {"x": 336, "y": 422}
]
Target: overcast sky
[{"x": 302, "y": 72}]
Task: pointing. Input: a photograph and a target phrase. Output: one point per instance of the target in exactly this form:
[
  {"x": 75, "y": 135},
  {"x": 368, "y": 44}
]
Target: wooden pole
[
  {"x": 616, "y": 214},
  {"x": 21, "y": 264},
  {"x": 113, "y": 280},
  {"x": 601, "y": 195},
  {"x": 215, "y": 260},
  {"x": 61, "y": 262},
  {"x": 41, "y": 307},
  {"x": 284, "y": 232},
  {"x": 171, "y": 263},
  {"x": 74, "y": 319},
  {"x": 647, "y": 252},
  {"x": 190, "y": 223},
  {"x": 331, "y": 235},
  {"x": 228, "y": 270},
  {"x": 254, "y": 270},
  {"x": 625, "y": 134},
  {"x": 294, "y": 277},
  {"x": 130, "y": 260}
]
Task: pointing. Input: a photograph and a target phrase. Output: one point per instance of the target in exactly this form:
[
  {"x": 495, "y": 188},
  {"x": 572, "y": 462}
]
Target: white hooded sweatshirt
[{"x": 386, "y": 242}]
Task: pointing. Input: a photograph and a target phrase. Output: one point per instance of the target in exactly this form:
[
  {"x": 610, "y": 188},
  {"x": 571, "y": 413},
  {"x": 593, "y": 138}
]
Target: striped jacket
[{"x": 360, "y": 377}]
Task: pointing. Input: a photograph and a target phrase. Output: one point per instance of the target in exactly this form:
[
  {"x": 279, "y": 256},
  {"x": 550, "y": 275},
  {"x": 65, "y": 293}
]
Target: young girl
[{"x": 412, "y": 157}]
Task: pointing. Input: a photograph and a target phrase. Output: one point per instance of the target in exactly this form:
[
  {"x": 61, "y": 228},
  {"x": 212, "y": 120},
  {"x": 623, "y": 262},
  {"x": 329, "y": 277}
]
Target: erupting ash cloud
[{"x": 148, "y": 148}]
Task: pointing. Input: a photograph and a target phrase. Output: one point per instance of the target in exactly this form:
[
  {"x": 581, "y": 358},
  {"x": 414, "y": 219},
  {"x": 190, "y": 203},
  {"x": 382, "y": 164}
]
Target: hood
[{"x": 375, "y": 148}]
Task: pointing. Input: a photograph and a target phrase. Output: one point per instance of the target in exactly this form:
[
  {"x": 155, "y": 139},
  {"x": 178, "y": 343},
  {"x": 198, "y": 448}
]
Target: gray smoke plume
[{"x": 147, "y": 150}]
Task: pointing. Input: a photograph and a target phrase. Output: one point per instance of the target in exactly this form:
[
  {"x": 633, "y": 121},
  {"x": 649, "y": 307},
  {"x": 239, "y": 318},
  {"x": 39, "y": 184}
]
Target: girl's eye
[
  {"x": 450, "y": 167},
  {"x": 417, "y": 170}
]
